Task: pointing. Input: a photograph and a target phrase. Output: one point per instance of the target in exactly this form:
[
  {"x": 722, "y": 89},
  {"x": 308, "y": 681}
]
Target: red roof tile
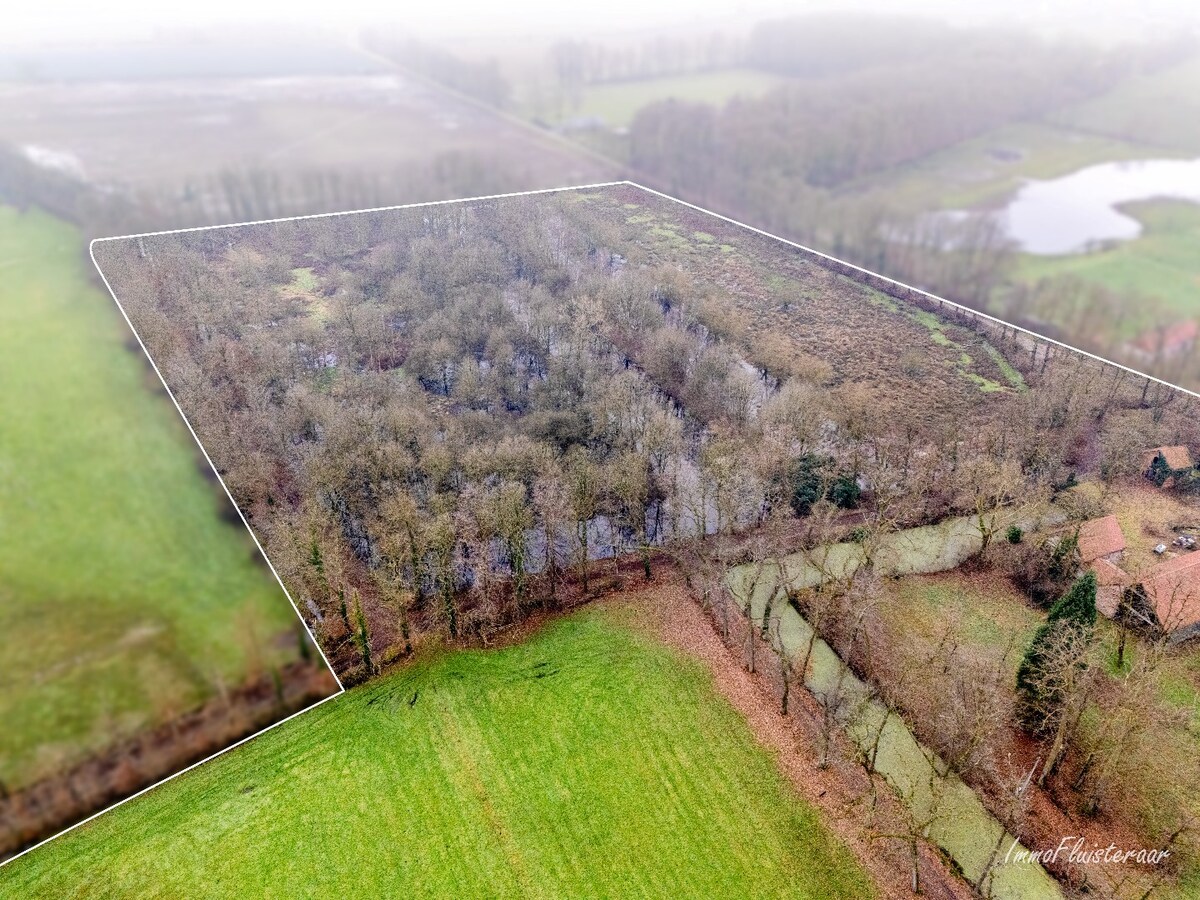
[
  {"x": 1173, "y": 589},
  {"x": 1109, "y": 575},
  {"x": 1100, "y": 537},
  {"x": 1170, "y": 340}
]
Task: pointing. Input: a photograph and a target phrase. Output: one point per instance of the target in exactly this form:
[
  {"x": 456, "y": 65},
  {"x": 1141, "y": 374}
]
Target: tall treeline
[{"x": 825, "y": 132}]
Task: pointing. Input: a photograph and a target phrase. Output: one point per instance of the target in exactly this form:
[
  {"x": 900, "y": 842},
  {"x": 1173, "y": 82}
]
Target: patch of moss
[
  {"x": 1010, "y": 374},
  {"x": 303, "y": 279},
  {"x": 985, "y": 384}
]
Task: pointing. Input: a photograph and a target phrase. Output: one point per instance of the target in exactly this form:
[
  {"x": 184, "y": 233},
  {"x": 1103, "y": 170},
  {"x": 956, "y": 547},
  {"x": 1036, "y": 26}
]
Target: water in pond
[
  {"x": 957, "y": 820},
  {"x": 1077, "y": 212}
]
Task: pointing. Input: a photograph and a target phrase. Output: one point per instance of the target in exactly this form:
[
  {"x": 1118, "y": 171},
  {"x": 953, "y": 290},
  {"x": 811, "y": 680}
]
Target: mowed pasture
[
  {"x": 124, "y": 597},
  {"x": 589, "y": 760},
  {"x": 1162, "y": 264}
]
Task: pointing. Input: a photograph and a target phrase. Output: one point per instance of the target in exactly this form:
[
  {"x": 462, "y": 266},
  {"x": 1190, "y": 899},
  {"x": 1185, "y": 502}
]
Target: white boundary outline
[
  {"x": 580, "y": 187},
  {"x": 604, "y": 184},
  {"x": 942, "y": 300},
  {"x": 208, "y": 459},
  {"x": 171, "y": 777}
]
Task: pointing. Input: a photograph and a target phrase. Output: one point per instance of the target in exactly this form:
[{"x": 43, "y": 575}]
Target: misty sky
[{"x": 53, "y": 21}]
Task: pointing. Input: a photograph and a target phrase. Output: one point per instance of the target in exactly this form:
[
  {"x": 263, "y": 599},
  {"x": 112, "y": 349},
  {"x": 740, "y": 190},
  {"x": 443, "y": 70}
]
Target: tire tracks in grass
[{"x": 464, "y": 770}]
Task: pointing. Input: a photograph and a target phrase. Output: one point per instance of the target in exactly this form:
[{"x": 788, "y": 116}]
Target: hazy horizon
[{"x": 58, "y": 24}]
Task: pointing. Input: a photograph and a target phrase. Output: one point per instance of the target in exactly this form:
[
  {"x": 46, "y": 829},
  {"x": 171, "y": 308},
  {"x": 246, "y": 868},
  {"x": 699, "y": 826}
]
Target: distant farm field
[
  {"x": 617, "y": 103},
  {"x": 123, "y": 596},
  {"x": 174, "y": 135},
  {"x": 985, "y": 171},
  {"x": 587, "y": 761}
]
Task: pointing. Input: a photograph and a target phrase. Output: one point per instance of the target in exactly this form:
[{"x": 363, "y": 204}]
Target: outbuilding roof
[
  {"x": 1100, "y": 537},
  {"x": 1173, "y": 589},
  {"x": 1176, "y": 457},
  {"x": 1171, "y": 340},
  {"x": 1110, "y": 575}
]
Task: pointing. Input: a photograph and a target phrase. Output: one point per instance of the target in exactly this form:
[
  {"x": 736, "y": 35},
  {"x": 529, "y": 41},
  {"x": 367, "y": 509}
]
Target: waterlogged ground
[
  {"x": 914, "y": 551},
  {"x": 957, "y": 820}
]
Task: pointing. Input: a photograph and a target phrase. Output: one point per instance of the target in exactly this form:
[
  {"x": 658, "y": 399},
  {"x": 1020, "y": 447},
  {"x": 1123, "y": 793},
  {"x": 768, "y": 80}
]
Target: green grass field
[
  {"x": 123, "y": 596},
  {"x": 1162, "y": 265},
  {"x": 1161, "y": 109},
  {"x": 589, "y": 761},
  {"x": 987, "y": 616},
  {"x": 619, "y": 102}
]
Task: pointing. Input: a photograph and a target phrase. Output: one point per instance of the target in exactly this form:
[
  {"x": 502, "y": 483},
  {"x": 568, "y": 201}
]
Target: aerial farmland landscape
[
  {"x": 654, "y": 545},
  {"x": 577, "y": 540}
]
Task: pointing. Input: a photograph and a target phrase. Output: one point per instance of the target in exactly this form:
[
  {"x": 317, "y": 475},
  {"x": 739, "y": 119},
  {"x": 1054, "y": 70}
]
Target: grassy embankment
[
  {"x": 123, "y": 596},
  {"x": 588, "y": 761}
]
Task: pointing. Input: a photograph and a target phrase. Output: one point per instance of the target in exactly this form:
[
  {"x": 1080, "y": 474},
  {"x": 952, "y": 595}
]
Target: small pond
[{"x": 1078, "y": 212}]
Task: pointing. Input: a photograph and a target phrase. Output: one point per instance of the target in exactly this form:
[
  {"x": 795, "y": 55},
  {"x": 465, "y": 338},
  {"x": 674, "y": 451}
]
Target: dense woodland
[
  {"x": 861, "y": 101},
  {"x": 440, "y": 418},
  {"x": 824, "y": 133},
  {"x": 522, "y": 386},
  {"x": 515, "y": 387}
]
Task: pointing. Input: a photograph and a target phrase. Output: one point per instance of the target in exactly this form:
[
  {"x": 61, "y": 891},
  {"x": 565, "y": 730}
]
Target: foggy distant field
[
  {"x": 124, "y": 598},
  {"x": 617, "y": 103},
  {"x": 176, "y": 136},
  {"x": 1135, "y": 110}
]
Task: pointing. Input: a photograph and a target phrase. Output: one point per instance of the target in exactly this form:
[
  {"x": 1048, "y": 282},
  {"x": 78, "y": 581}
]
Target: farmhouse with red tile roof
[
  {"x": 1165, "y": 343},
  {"x": 1101, "y": 539},
  {"x": 1172, "y": 590}
]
